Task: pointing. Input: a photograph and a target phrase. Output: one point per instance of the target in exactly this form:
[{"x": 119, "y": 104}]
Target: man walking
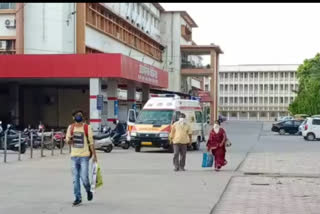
[
  {"x": 180, "y": 136},
  {"x": 80, "y": 137}
]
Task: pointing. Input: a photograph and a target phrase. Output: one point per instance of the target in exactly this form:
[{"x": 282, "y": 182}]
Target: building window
[
  {"x": 236, "y": 100},
  {"x": 271, "y": 100},
  {"x": 7, "y": 5},
  {"x": 276, "y": 100},
  {"x": 271, "y": 87},
  {"x": 241, "y": 100},
  {"x": 245, "y": 75},
  {"x": 147, "y": 16},
  {"x": 251, "y": 100},
  {"x": 261, "y": 75},
  {"x": 276, "y": 75},
  {"x": 265, "y": 75},
  {"x": 271, "y": 75},
  {"x": 286, "y": 100},
  {"x": 281, "y": 100},
  {"x": 138, "y": 9},
  {"x": 104, "y": 20},
  {"x": 207, "y": 87},
  {"x": 235, "y": 87},
  {"x": 281, "y": 87},
  {"x": 246, "y": 100},
  {"x": 256, "y": 75},
  {"x": 221, "y": 100},
  {"x": 226, "y": 100},
  {"x": 236, "y": 76},
  {"x": 255, "y": 100}
]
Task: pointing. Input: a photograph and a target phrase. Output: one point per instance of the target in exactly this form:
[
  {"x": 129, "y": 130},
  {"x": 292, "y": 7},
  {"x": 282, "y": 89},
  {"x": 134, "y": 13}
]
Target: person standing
[
  {"x": 80, "y": 137},
  {"x": 216, "y": 144},
  {"x": 180, "y": 136}
]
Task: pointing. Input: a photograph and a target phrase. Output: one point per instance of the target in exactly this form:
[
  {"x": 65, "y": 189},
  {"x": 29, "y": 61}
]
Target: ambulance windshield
[{"x": 155, "y": 117}]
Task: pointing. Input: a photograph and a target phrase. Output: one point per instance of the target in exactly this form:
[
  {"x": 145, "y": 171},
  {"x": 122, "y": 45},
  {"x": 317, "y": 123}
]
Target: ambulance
[{"x": 151, "y": 128}]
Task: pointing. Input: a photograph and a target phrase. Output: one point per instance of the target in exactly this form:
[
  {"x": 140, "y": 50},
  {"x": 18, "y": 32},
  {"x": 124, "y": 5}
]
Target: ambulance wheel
[
  {"x": 196, "y": 146},
  {"x": 137, "y": 148},
  {"x": 108, "y": 148},
  {"x": 126, "y": 145}
]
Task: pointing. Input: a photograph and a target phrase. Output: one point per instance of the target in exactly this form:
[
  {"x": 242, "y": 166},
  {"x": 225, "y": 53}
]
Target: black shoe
[
  {"x": 76, "y": 202},
  {"x": 183, "y": 169},
  {"x": 90, "y": 195},
  {"x": 176, "y": 169}
]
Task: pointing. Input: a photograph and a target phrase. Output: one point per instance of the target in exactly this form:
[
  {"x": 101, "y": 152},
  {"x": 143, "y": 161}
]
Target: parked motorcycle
[
  {"x": 57, "y": 138},
  {"x": 36, "y": 142},
  {"x": 102, "y": 141},
  {"x": 12, "y": 139},
  {"x": 121, "y": 141}
]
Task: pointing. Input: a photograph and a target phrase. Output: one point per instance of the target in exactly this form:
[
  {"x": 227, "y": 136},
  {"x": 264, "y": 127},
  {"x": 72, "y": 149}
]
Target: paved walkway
[{"x": 269, "y": 195}]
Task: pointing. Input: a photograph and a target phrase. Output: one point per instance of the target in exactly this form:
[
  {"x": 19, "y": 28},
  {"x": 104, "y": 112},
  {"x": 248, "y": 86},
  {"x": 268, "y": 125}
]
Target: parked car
[
  {"x": 289, "y": 126},
  {"x": 311, "y": 129},
  {"x": 284, "y": 118},
  {"x": 316, "y": 116},
  {"x": 301, "y": 127}
]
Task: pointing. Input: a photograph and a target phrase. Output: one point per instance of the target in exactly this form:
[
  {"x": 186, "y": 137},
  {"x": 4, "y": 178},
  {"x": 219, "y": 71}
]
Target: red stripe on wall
[
  {"x": 95, "y": 120},
  {"x": 111, "y": 119},
  {"x": 131, "y": 100},
  {"x": 93, "y": 96},
  {"x": 112, "y": 98}
]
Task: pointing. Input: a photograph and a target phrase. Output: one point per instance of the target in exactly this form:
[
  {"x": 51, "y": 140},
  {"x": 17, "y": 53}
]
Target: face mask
[
  {"x": 78, "y": 118},
  {"x": 181, "y": 119},
  {"x": 216, "y": 126}
]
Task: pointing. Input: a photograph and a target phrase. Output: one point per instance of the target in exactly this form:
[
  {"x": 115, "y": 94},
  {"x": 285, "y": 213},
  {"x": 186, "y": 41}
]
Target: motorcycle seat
[{"x": 100, "y": 136}]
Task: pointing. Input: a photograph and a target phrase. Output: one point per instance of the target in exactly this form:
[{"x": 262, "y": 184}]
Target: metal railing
[{"x": 20, "y": 145}]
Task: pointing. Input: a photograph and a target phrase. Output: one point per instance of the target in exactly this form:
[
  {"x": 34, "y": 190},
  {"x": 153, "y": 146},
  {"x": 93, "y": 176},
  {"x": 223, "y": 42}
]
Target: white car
[
  {"x": 301, "y": 127},
  {"x": 311, "y": 129}
]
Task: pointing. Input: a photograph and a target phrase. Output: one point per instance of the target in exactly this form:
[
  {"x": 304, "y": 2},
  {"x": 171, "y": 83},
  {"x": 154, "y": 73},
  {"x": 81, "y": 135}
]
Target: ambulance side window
[{"x": 198, "y": 117}]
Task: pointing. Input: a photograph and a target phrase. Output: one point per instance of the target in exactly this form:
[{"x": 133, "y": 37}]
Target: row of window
[
  {"x": 256, "y": 74},
  {"x": 254, "y": 100},
  {"x": 144, "y": 13},
  {"x": 260, "y": 87},
  {"x": 7, "y": 5},
  {"x": 252, "y": 114}
]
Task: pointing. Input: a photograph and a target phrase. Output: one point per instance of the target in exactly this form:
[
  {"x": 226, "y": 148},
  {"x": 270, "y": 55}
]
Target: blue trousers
[{"x": 80, "y": 169}]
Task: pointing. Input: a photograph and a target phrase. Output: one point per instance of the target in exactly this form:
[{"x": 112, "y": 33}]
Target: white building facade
[{"x": 256, "y": 92}]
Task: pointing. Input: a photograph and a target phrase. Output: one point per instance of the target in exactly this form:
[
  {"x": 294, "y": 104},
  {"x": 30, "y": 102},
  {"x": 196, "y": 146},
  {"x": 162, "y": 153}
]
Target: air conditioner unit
[
  {"x": 147, "y": 32},
  {"x": 132, "y": 21},
  {"x": 10, "y": 23},
  {"x": 138, "y": 25},
  {"x": 128, "y": 17},
  {"x": 142, "y": 28},
  {"x": 3, "y": 45}
]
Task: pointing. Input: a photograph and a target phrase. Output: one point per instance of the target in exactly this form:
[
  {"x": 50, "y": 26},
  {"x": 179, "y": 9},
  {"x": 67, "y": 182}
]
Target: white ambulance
[{"x": 152, "y": 126}]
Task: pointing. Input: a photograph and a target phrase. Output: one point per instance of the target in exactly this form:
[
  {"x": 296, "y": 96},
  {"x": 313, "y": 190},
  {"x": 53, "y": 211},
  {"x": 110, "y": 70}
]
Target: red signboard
[{"x": 81, "y": 66}]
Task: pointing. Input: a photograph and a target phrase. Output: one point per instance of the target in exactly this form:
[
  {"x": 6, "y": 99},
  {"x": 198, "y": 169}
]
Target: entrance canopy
[{"x": 81, "y": 66}]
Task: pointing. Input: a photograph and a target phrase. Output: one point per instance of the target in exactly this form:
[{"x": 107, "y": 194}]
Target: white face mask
[
  {"x": 216, "y": 126},
  {"x": 181, "y": 119}
]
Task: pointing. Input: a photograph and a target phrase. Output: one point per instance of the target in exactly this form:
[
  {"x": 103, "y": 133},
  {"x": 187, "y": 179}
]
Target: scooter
[
  {"x": 121, "y": 141},
  {"x": 102, "y": 141},
  {"x": 12, "y": 139},
  {"x": 57, "y": 138}
]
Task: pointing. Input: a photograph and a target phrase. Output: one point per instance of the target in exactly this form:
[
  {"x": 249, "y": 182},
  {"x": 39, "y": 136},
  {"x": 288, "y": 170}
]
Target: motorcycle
[
  {"x": 36, "y": 142},
  {"x": 12, "y": 139},
  {"x": 102, "y": 140},
  {"x": 57, "y": 136},
  {"x": 121, "y": 141}
]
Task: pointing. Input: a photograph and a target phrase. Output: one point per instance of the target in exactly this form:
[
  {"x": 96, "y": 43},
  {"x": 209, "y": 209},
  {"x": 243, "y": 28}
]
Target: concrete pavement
[{"x": 133, "y": 182}]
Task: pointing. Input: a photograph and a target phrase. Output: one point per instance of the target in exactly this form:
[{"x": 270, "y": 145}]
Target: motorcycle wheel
[
  {"x": 58, "y": 144},
  {"x": 126, "y": 145},
  {"x": 108, "y": 148},
  {"x": 23, "y": 148}
]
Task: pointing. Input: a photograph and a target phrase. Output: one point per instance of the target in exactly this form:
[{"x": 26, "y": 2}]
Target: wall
[
  {"x": 4, "y": 31},
  {"x": 130, "y": 10},
  {"x": 170, "y": 28},
  {"x": 104, "y": 43},
  {"x": 58, "y": 113},
  {"x": 46, "y": 30}
]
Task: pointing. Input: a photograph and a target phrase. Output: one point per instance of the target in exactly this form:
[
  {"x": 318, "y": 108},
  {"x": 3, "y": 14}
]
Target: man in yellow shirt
[
  {"x": 180, "y": 136},
  {"x": 80, "y": 137}
]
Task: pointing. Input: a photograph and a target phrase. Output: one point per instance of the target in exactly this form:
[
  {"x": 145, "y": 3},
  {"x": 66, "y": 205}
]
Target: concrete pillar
[
  {"x": 95, "y": 114},
  {"x": 14, "y": 104},
  {"x": 131, "y": 95},
  {"x": 268, "y": 114},
  {"x": 228, "y": 115},
  {"x": 113, "y": 103},
  {"x": 258, "y": 115},
  {"x": 145, "y": 93},
  {"x": 238, "y": 115},
  {"x": 214, "y": 87},
  {"x": 248, "y": 115}
]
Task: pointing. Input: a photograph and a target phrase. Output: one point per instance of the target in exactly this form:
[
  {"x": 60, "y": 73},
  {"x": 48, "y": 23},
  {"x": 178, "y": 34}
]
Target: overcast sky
[{"x": 256, "y": 33}]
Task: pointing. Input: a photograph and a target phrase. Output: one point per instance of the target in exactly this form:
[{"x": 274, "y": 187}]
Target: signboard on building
[{"x": 100, "y": 102}]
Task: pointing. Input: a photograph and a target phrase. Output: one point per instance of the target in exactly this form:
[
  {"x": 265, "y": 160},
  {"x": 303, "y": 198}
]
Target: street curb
[
  {"x": 221, "y": 195},
  {"x": 251, "y": 148}
]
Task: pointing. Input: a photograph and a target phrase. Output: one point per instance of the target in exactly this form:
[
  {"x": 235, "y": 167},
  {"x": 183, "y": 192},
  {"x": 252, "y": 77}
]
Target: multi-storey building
[
  {"x": 256, "y": 92},
  {"x": 116, "y": 51}
]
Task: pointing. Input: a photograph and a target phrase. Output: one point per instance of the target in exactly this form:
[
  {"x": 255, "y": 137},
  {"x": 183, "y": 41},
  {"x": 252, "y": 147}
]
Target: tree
[{"x": 308, "y": 94}]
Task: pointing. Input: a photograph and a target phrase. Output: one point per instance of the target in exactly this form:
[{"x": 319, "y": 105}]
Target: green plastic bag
[{"x": 99, "y": 181}]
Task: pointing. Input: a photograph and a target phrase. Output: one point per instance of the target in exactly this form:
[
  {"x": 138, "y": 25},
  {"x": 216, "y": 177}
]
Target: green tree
[{"x": 308, "y": 94}]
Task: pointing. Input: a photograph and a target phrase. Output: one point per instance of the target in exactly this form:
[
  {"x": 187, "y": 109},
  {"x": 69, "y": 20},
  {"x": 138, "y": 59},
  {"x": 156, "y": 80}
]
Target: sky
[{"x": 256, "y": 33}]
